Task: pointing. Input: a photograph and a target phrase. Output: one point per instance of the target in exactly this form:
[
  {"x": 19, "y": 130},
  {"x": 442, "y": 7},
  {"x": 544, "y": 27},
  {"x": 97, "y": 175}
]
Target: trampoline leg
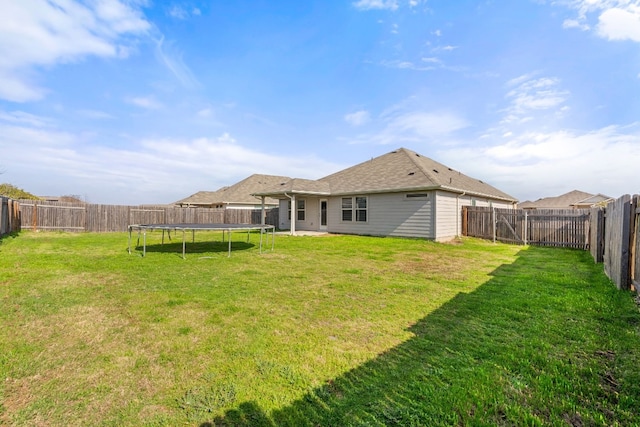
[
  {"x": 129, "y": 246},
  {"x": 229, "y": 231},
  {"x": 144, "y": 243},
  {"x": 183, "y": 245},
  {"x": 162, "y": 237}
]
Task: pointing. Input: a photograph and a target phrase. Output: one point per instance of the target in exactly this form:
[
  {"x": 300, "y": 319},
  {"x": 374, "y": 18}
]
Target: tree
[{"x": 13, "y": 192}]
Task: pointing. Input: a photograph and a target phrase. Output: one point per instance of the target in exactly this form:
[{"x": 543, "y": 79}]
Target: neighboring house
[
  {"x": 401, "y": 193},
  {"x": 65, "y": 199},
  {"x": 236, "y": 196},
  {"x": 572, "y": 200}
]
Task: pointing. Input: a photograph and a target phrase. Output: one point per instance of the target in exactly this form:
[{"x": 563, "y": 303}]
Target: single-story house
[
  {"x": 572, "y": 200},
  {"x": 401, "y": 193},
  {"x": 236, "y": 196}
]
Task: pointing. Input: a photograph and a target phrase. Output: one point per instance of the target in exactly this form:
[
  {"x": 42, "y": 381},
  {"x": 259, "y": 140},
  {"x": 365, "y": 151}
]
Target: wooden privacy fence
[
  {"x": 543, "y": 227},
  {"x": 51, "y": 216},
  {"x": 9, "y": 216},
  {"x": 622, "y": 242},
  {"x": 611, "y": 234}
]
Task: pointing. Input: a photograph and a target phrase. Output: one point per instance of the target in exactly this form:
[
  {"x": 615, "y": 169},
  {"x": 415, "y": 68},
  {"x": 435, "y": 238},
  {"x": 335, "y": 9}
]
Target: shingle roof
[
  {"x": 563, "y": 201},
  {"x": 399, "y": 170},
  {"x": 568, "y": 200},
  {"x": 238, "y": 193}
]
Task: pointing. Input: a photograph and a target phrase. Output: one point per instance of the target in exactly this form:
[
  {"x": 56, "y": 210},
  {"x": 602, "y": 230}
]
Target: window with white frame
[
  {"x": 361, "y": 209},
  {"x": 355, "y": 208},
  {"x": 300, "y": 209}
]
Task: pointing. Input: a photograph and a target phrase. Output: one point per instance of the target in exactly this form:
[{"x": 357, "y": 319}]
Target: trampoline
[{"x": 265, "y": 230}]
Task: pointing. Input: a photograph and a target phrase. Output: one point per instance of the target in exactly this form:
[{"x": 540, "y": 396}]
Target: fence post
[
  {"x": 465, "y": 225},
  {"x": 526, "y": 228},
  {"x": 34, "y": 217},
  {"x": 493, "y": 220}
]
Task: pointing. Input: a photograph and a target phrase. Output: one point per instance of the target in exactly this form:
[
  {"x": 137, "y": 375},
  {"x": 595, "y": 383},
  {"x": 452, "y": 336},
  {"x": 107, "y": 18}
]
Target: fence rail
[{"x": 113, "y": 218}]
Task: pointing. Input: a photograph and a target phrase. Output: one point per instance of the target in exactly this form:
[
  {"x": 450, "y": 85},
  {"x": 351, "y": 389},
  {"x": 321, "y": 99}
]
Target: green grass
[{"x": 323, "y": 331}]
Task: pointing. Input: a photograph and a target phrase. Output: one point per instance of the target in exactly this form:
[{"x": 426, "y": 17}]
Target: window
[
  {"x": 289, "y": 210},
  {"x": 358, "y": 204},
  {"x": 300, "y": 210},
  {"x": 347, "y": 209},
  {"x": 361, "y": 209}
]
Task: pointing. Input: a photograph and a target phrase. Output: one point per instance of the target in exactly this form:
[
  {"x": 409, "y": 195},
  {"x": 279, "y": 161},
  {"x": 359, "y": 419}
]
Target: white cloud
[
  {"x": 376, "y": 4},
  {"x": 24, "y": 118},
  {"x": 531, "y": 165},
  {"x": 407, "y": 65},
  {"x": 178, "y": 12},
  {"x": 148, "y": 103},
  {"x": 401, "y": 125},
  {"x": 38, "y": 33},
  {"x": 145, "y": 170},
  {"x": 205, "y": 113},
  {"x": 620, "y": 24},
  {"x": 172, "y": 59},
  {"x": 574, "y": 23},
  {"x": 95, "y": 114},
  {"x": 529, "y": 94},
  {"x": 358, "y": 118},
  {"x": 616, "y": 19}
]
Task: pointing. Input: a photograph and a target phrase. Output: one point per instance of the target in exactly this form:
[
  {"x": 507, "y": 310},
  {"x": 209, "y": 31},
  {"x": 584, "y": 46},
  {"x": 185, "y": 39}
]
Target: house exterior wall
[
  {"x": 389, "y": 214},
  {"x": 432, "y": 215},
  {"x": 312, "y": 218},
  {"x": 448, "y": 212}
]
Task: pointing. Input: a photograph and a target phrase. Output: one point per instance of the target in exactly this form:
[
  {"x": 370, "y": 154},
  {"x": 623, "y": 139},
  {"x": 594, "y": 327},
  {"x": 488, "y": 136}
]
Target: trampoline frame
[{"x": 228, "y": 228}]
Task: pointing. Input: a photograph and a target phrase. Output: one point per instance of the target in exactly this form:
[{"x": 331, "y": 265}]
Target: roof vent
[
  {"x": 412, "y": 173},
  {"x": 436, "y": 171}
]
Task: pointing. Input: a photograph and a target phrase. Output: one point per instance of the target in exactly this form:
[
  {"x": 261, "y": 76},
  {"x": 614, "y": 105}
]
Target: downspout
[
  {"x": 293, "y": 217},
  {"x": 458, "y": 212}
]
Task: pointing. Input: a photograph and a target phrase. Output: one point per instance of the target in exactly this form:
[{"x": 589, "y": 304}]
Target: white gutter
[{"x": 458, "y": 219}]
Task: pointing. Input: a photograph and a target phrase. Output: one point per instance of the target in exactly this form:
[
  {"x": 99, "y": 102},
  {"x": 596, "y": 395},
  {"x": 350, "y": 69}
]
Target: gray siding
[
  {"x": 391, "y": 214},
  {"x": 312, "y": 216},
  {"x": 449, "y": 210}
]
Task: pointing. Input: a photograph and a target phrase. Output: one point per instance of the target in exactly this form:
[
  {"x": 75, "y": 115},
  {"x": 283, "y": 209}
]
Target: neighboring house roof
[
  {"x": 66, "y": 199},
  {"x": 238, "y": 193},
  {"x": 399, "y": 170},
  {"x": 598, "y": 199},
  {"x": 568, "y": 200}
]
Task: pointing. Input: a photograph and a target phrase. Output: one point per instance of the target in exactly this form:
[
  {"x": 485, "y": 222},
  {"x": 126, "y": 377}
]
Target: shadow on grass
[
  {"x": 521, "y": 349},
  {"x": 199, "y": 247}
]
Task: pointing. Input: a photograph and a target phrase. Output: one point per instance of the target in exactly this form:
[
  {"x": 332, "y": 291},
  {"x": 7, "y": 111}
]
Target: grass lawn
[{"x": 323, "y": 331}]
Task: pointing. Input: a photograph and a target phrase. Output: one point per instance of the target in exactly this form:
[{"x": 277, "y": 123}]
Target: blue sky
[{"x": 136, "y": 101}]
